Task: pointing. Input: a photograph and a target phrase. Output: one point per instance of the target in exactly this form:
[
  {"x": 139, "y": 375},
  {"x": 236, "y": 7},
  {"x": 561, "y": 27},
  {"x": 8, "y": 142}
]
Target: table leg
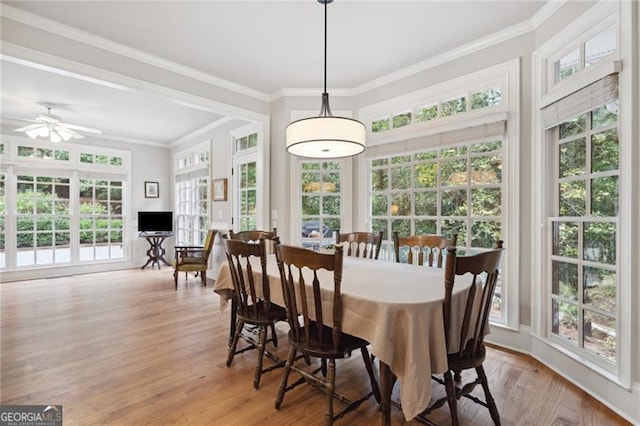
[{"x": 386, "y": 387}]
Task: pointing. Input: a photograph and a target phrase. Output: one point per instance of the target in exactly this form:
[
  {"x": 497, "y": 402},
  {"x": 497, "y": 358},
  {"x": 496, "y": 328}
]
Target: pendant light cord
[
  {"x": 325, "y": 47},
  {"x": 325, "y": 109}
]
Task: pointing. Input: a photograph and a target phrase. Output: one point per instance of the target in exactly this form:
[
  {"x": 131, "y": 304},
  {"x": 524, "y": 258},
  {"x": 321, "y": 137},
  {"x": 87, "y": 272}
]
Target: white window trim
[
  {"x": 260, "y": 155},
  {"x": 13, "y": 165},
  {"x": 583, "y": 28},
  {"x": 507, "y": 75}
]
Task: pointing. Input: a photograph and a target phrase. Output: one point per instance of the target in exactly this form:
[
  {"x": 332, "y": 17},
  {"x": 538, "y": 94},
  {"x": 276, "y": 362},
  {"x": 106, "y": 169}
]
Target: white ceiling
[{"x": 264, "y": 46}]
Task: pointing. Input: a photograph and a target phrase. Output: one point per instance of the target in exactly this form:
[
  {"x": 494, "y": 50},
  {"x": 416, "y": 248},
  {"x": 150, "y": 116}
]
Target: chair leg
[
  {"x": 369, "y": 365},
  {"x": 285, "y": 377},
  {"x": 274, "y": 337},
  {"x": 330, "y": 387},
  {"x": 491, "y": 404},
  {"x": 203, "y": 277},
  {"x": 451, "y": 397},
  {"x": 175, "y": 278},
  {"x": 234, "y": 344},
  {"x": 262, "y": 340}
]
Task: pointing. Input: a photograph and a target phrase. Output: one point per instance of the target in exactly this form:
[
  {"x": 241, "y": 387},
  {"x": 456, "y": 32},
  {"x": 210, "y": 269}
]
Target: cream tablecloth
[{"x": 397, "y": 308}]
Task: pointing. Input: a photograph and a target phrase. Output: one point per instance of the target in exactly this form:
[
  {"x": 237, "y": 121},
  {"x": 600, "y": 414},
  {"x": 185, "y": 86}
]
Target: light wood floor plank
[{"x": 125, "y": 348}]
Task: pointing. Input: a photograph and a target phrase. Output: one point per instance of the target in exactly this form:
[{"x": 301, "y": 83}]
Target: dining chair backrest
[
  {"x": 247, "y": 292},
  {"x": 361, "y": 244},
  {"x": 254, "y": 236},
  {"x": 302, "y": 292},
  {"x": 423, "y": 249},
  {"x": 208, "y": 243},
  {"x": 482, "y": 270}
]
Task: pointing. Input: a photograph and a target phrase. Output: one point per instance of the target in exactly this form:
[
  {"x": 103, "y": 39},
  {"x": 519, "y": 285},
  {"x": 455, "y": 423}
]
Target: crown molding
[
  {"x": 506, "y": 34},
  {"x": 72, "y": 33},
  {"x": 202, "y": 130}
]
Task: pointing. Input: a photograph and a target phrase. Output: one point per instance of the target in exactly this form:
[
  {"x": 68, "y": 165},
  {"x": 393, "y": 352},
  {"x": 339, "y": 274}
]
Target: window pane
[
  {"x": 600, "y": 288},
  {"x": 426, "y": 175},
  {"x": 401, "y": 178},
  {"x": 572, "y": 198},
  {"x": 402, "y": 120},
  {"x": 379, "y": 205},
  {"x": 485, "y": 233},
  {"x": 565, "y": 320},
  {"x": 426, "y": 203},
  {"x": 427, "y": 113},
  {"x": 565, "y": 239},
  {"x": 486, "y": 170},
  {"x": 401, "y": 204},
  {"x": 426, "y": 227},
  {"x": 453, "y": 172},
  {"x": 379, "y": 179},
  {"x": 573, "y": 127},
  {"x": 605, "y": 153},
  {"x": 565, "y": 280},
  {"x": 600, "y": 45},
  {"x": 380, "y": 125},
  {"x": 567, "y": 65},
  {"x": 604, "y": 196},
  {"x": 486, "y": 202},
  {"x": 454, "y": 106},
  {"x": 454, "y": 203},
  {"x": 331, "y": 205},
  {"x": 600, "y": 335},
  {"x": 573, "y": 158},
  {"x": 486, "y": 98},
  {"x": 605, "y": 115},
  {"x": 600, "y": 242}
]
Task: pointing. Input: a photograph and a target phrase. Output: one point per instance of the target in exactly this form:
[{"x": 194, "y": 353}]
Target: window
[
  {"x": 247, "y": 196},
  {"x": 584, "y": 225},
  {"x": 101, "y": 219},
  {"x": 192, "y": 207},
  {"x": 444, "y": 107},
  {"x": 192, "y": 195},
  {"x": 450, "y": 190},
  {"x": 320, "y": 202},
  {"x": 42, "y": 220},
  {"x": 67, "y": 210},
  {"x": 584, "y": 53}
]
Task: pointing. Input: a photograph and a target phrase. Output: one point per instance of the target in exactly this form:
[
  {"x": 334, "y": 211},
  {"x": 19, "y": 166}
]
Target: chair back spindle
[{"x": 361, "y": 244}]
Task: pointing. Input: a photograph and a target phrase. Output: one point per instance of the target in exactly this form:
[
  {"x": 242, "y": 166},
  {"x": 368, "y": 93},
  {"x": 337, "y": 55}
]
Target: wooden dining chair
[
  {"x": 253, "y": 235},
  {"x": 253, "y": 302},
  {"x": 423, "y": 249},
  {"x": 193, "y": 258},
  {"x": 361, "y": 244},
  {"x": 311, "y": 333},
  {"x": 482, "y": 271}
]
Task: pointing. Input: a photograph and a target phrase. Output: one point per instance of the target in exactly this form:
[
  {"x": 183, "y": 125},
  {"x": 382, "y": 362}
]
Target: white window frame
[
  {"x": 195, "y": 170},
  {"x": 586, "y": 26},
  {"x": 13, "y": 165},
  {"x": 259, "y": 155},
  {"x": 507, "y": 76}
]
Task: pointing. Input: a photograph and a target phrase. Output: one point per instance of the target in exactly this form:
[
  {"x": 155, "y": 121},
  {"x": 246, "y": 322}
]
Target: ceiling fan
[{"x": 51, "y": 126}]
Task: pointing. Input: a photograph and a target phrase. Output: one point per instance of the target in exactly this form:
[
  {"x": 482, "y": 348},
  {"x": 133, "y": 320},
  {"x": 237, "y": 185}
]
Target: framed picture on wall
[
  {"x": 219, "y": 189},
  {"x": 151, "y": 190}
]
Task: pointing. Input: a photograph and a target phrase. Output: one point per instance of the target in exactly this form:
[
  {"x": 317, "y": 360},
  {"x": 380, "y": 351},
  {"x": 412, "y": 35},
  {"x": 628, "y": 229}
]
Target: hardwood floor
[{"x": 125, "y": 348}]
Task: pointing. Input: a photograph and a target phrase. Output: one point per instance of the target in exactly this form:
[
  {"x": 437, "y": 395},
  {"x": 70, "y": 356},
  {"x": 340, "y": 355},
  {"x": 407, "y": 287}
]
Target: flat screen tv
[{"x": 155, "y": 221}]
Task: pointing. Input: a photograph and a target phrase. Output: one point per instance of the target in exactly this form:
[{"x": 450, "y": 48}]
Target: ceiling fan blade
[
  {"x": 73, "y": 133},
  {"x": 82, "y": 128},
  {"x": 29, "y": 127}
]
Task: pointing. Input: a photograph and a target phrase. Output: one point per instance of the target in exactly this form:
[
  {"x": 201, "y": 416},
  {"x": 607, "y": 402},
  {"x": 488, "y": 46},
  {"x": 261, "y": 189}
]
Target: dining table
[{"x": 397, "y": 308}]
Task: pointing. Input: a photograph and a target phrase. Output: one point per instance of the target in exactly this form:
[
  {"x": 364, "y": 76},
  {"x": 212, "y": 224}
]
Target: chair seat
[
  {"x": 276, "y": 313},
  {"x": 313, "y": 346},
  {"x": 464, "y": 361}
]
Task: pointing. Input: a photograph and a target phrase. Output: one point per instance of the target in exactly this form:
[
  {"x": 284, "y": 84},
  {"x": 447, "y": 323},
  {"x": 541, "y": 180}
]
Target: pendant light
[{"x": 325, "y": 136}]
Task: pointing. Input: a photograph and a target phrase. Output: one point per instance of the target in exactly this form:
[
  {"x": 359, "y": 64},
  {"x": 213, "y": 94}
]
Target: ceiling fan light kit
[
  {"x": 51, "y": 126},
  {"x": 325, "y": 136}
]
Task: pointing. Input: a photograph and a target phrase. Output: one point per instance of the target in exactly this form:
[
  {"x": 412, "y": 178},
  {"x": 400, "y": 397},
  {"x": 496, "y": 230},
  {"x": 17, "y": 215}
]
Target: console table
[{"x": 156, "y": 252}]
